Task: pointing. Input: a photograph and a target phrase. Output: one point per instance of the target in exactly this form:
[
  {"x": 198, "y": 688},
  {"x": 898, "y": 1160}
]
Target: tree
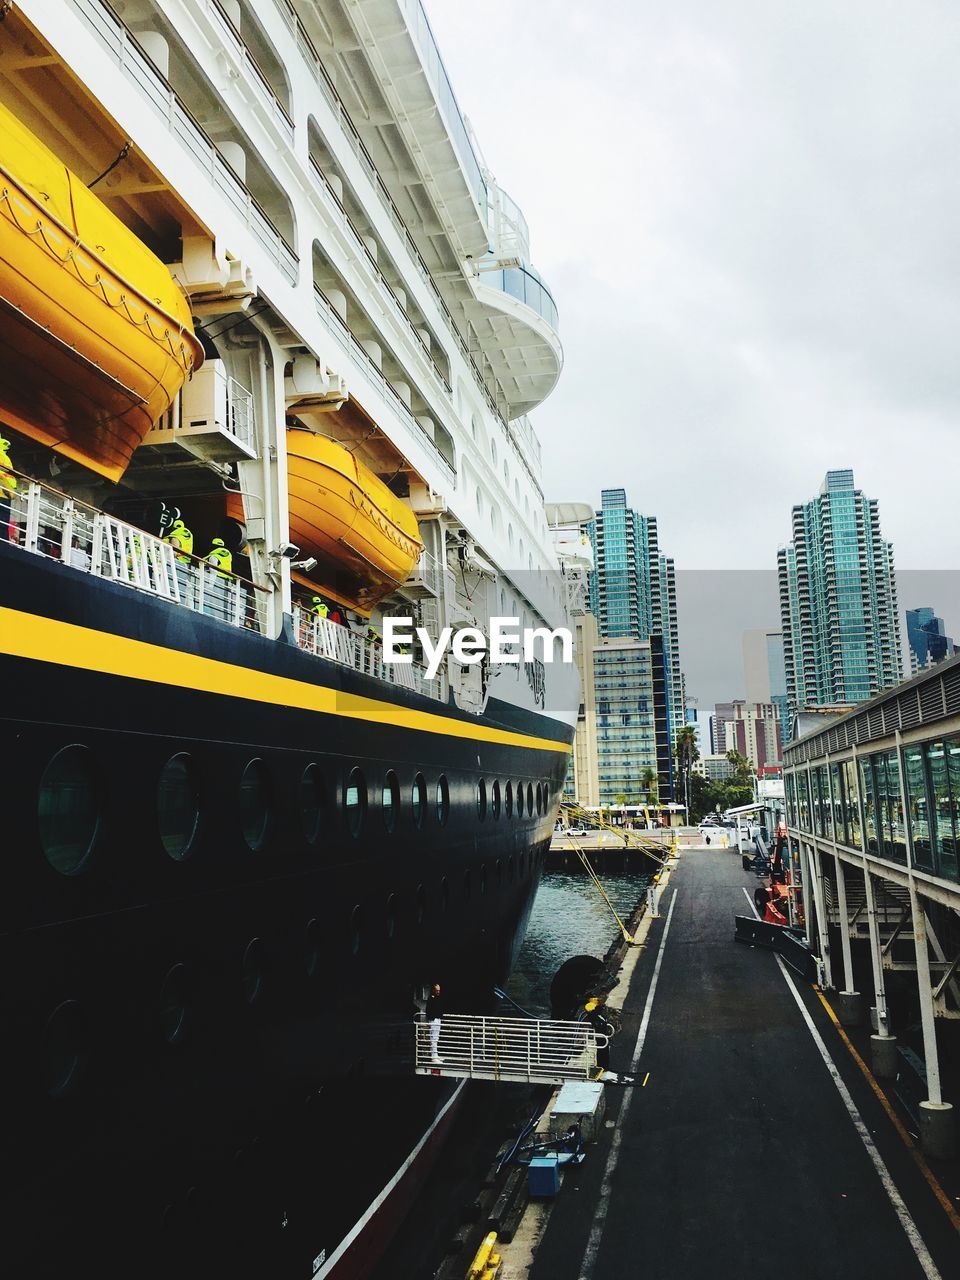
[
  {"x": 687, "y": 752},
  {"x": 743, "y": 771},
  {"x": 648, "y": 781},
  {"x": 620, "y": 798}
]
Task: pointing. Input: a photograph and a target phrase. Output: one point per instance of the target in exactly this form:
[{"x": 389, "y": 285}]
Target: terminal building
[{"x": 873, "y": 812}]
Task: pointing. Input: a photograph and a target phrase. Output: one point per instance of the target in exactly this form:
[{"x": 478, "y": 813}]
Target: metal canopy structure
[{"x": 525, "y": 1050}]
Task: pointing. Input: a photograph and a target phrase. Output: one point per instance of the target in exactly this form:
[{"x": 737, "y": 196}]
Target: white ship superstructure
[{"x": 306, "y": 172}]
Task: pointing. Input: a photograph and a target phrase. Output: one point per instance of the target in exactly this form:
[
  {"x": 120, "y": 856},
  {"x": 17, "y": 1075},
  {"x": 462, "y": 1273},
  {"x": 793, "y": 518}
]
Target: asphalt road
[{"x": 739, "y": 1157}]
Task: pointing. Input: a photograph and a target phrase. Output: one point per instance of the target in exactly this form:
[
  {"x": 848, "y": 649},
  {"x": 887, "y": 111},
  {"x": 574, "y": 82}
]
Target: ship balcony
[
  {"x": 515, "y": 320},
  {"x": 337, "y": 643},
  {"x": 426, "y": 578},
  {"x": 212, "y": 418}
]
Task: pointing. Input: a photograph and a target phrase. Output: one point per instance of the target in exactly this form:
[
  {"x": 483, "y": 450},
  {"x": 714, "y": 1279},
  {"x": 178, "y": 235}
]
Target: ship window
[
  {"x": 530, "y": 798},
  {"x": 445, "y": 894},
  {"x": 252, "y": 970},
  {"x": 314, "y": 947},
  {"x": 443, "y": 800},
  {"x": 519, "y": 799},
  {"x": 508, "y": 800},
  {"x": 391, "y": 800},
  {"x": 479, "y": 501},
  {"x": 173, "y": 1003},
  {"x": 355, "y": 801},
  {"x": 418, "y": 800},
  {"x": 496, "y": 799},
  {"x": 255, "y": 804},
  {"x": 539, "y": 797},
  {"x": 311, "y": 803},
  {"x": 178, "y": 806},
  {"x": 68, "y": 809},
  {"x": 499, "y": 873},
  {"x": 481, "y": 799},
  {"x": 64, "y": 1040},
  {"x": 421, "y": 903},
  {"x": 356, "y": 926},
  {"x": 493, "y": 451},
  {"x": 392, "y": 916}
]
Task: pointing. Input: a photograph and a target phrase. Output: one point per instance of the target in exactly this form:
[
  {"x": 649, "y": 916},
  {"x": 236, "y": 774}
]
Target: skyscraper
[
  {"x": 927, "y": 640},
  {"x": 633, "y": 592},
  {"x": 838, "y": 600}
]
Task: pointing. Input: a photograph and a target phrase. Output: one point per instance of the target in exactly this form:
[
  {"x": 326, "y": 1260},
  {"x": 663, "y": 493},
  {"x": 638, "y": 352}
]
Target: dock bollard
[
  {"x": 938, "y": 1137},
  {"x": 850, "y": 1009},
  {"x": 883, "y": 1056}
]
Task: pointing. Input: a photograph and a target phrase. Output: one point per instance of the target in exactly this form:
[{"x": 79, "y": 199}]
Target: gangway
[{"x": 524, "y": 1050}]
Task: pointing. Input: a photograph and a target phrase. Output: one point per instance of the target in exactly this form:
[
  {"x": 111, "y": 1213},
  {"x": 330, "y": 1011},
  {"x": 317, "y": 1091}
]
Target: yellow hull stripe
[{"x": 29, "y": 635}]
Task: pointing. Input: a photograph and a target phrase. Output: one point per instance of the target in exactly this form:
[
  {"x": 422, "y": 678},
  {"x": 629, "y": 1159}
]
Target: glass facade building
[
  {"x": 838, "y": 600},
  {"x": 633, "y": 594},
  {"x": 628, "y": 685},
  {"x": 927, "y": 640}
]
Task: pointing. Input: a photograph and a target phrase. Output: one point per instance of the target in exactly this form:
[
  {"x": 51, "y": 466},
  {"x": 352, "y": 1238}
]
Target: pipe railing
[{"x": 338, "y": 643}]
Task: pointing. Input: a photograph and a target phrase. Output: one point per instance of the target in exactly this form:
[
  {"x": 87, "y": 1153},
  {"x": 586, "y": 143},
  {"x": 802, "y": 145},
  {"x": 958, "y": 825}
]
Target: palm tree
[{"x": 687, "y": 752}]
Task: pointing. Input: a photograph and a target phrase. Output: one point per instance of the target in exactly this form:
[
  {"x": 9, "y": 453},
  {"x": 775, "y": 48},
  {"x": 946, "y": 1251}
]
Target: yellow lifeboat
[
  {"x": 365, "y": 539},
  {"x": 95, "y": 335}
]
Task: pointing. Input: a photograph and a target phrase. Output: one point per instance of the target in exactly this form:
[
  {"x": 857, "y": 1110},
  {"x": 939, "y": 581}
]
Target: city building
[
  {"x": 927, "y": 640},
  {"x": 754, "y": 731},
  {"x": 838, "y": 600},
  {"x": 621, "y": 736},
  {"x": 633, "y": 593},
  {"x": 722, "y": 713},
  {"x": 764, "y": 675},
  {"x": 715, "y": 768}
]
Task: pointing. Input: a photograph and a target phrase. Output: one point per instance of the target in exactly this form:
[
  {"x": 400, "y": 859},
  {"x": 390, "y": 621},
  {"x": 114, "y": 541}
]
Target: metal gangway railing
[{"x": 526, "y": 1050}]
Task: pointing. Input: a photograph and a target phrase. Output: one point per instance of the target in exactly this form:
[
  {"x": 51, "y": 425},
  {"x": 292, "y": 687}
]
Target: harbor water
[{"x": 570, "y": 918}]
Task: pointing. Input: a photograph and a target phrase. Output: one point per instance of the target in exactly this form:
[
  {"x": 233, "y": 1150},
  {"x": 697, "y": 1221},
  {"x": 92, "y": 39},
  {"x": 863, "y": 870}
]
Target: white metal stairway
[{"x": 530, "y": 1050}]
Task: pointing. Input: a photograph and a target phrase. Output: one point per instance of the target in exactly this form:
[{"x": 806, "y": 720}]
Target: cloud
[{"x": 747, "y": 213}]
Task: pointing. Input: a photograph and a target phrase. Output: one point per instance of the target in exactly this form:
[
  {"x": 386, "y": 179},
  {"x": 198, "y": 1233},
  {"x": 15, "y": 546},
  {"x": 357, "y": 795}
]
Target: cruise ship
[{"x": 269, "y": 337}]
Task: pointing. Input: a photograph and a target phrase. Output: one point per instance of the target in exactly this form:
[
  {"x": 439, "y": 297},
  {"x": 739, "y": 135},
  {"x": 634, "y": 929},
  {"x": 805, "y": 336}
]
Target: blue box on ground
[{"x": 543, "y": 1175}]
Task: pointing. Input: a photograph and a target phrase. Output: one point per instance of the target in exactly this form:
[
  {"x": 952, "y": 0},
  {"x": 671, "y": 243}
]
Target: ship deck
[{"x": 752, "y": 1144}]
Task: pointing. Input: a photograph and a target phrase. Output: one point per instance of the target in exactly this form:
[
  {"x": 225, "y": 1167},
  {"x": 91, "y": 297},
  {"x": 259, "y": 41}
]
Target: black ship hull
[{"x": 207, "y": 1015}]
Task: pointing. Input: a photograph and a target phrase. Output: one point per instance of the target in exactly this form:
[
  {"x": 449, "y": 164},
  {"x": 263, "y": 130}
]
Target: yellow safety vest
[
  {"x": 181, "y": 538},
  {"x": 8, "y": 481},
  {"x": 222, "y": 560},
  {"x": 321, "y": 610}
]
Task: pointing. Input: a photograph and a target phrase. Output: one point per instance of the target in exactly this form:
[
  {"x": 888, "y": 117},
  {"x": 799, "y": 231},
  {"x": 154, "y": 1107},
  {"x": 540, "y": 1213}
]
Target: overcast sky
[{"x": 748, "y": 212}]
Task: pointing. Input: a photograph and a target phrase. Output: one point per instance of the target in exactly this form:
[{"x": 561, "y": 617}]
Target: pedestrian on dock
[{"x": 435, "y": 1011}]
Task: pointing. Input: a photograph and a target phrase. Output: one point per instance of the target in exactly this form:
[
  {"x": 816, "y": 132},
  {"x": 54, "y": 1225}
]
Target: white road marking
[
  {"x": 603, "y": 1203},
  {"x": 927, "y": 1263}
]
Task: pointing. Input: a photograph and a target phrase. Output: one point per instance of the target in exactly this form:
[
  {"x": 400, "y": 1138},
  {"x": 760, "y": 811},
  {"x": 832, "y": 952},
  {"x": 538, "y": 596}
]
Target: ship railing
[
  {"x": 46, "y": 522},
  {"x": 428, "y": 573},
  {"x": 337, "y": 643}
]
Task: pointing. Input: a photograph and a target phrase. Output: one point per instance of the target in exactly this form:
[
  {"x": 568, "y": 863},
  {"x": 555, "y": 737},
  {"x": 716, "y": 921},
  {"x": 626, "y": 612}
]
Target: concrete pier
[{"x": 752, "y": 1143}]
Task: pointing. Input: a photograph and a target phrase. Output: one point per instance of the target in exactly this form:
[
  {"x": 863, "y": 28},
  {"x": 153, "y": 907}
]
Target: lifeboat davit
[
  {"x": 96, "y": 337},
  {"x": 365, "y": 539}
]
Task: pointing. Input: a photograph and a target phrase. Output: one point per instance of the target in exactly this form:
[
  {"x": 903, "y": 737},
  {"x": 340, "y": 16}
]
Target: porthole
[
  {"x": 546, "y": 796},
  {"x": 392, "y": 916},
  {"x": 443, "y": 800},
  {"x": 252, "y": 970},
  {"x": 418, "y": 800},
  {"x": 495, "y": 799},
  {"x": 539, "y": 797},
  {"x": 519, "y": 799},
  {"x": 481, "y": 799},
  {"x": 421, "y": 903},
  {"x": 178, "y": 806},
  {"x": 314, "y": 946},
  {"x": 311, "y": 803},
  {"x": 508, "y": 800},
  {"x": 68, "y": 810},
  {"x": 255, "y": 805},
  {"x": 499, "y": 872},
  {"x": 391, "y": 800},
  {"x": 445, "y": 894},
  {"x": 64, "y": 1045},
  {"x": 530, "y": 798},
  {"x": 173, "y": 1003},
  {"x": 356, "y": 928},
  {"x": 355, "y": 801}
]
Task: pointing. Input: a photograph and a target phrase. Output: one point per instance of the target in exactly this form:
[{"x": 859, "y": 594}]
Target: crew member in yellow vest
[
  {"x": 319, "y": 607},
  {"x": 8, "y": 487},
  {"x": 181, "y": 539},
  {"x": 221, "y": 558}
]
